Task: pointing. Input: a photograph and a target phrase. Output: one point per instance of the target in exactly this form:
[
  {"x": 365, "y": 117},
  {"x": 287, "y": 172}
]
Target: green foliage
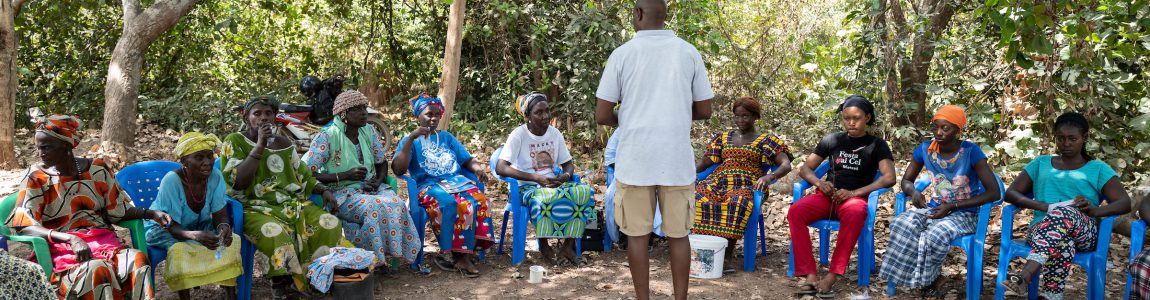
[{"x": 1013, "y": 65}]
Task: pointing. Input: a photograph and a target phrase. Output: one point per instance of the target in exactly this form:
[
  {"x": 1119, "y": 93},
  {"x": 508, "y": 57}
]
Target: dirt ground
[{"x": 607, "y": 276}]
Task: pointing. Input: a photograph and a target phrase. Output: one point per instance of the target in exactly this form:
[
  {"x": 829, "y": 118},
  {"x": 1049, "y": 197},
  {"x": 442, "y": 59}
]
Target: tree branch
[
  {"x": 17, "y": 4},
  {"x": 160, "y": 17},
  {"x": 898, "y": 17}
]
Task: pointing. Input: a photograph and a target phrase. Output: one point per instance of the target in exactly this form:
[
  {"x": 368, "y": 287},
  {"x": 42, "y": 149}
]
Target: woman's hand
[
  {"x": 420, "y": 131},
  {"x": 225, "y": 234},
  {"x": 479, "y": 170},
  {"x": 207, "y": 238},
  {"x": 917, "y": 199},
  {"x": 372, "y": 185},
  {"x": 80, "y": 248},
  {"x": 941, "y": 211},
  {"x": 1084, "y": 206},
  {"x": 264, "y": 132},
  {"x": 329, "y": 202},
  {"x": 826, "y": 187},
  {"x": 160, "y": 217},
  {"x": 763, "y": 183},
  {"x": 842, "y": 195},
  {"x": 356, "y": 174}
]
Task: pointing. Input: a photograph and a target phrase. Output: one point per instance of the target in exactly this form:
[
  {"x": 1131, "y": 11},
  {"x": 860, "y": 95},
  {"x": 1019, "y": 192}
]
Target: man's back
[{"x": 658, "y": 76}]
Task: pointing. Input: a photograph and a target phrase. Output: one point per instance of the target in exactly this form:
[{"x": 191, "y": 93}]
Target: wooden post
[{"x": 449, "y": 80}]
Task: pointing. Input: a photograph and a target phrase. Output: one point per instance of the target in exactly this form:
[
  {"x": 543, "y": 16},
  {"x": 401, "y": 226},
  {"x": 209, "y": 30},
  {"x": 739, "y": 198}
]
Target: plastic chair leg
[
  {"x": 419, "y": 218},
  {"x": 762, "y": 236},
  {"x": 749, "y": 247},
  {"x": 791, "y": 261},
  {"x": 519, "y": 237},
  {"x": 244, "y": 283},
  {"x": 824, "y": 246},
  {"x": 890, "y": 288},
  {"x": 973, "y": 272},
  {"x": 502, "y": 232}
]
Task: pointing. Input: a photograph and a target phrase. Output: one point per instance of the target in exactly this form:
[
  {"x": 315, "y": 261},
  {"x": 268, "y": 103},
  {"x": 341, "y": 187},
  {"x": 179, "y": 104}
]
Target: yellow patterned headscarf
[
  {"x": 524, "y": 103},
  {"x": 193, "y": 142}
]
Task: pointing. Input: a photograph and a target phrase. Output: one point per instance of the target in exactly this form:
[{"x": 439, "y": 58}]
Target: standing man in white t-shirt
[{"x": 663, "y": 86}]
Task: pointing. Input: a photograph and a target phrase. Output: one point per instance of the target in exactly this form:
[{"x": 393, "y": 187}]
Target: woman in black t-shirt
[{"x": 855, "y": 157}]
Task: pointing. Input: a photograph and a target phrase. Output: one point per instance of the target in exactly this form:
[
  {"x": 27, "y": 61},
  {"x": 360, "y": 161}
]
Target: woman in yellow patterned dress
[{"x": 723, "y": 201}]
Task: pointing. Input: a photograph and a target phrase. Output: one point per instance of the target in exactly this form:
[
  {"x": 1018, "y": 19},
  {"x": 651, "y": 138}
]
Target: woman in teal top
[
  {"x": 195, "y": 197},
  {"x": 1067, "y": 190}
]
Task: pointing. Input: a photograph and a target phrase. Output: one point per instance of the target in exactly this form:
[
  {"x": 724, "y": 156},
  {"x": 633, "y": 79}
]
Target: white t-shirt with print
[
  {"x": 535, "y": 154},
  {"x": 658, "y": 77}
]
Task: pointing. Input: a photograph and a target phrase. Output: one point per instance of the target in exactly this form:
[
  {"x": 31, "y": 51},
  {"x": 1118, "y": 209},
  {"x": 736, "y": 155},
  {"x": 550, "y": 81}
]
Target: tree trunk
[
  {"x": 449, "y": 82},
  {"x": 122, "y": 86},
  {"x": 8, "y": 82}
]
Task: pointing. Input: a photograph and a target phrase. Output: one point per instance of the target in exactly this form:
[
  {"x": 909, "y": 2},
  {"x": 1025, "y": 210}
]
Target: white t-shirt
[
  {"x": 535, "y": 154},
  {"x": 659, "y": 77}
]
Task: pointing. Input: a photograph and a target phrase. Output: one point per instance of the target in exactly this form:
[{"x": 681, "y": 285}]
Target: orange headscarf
[
  {"x": 950, "y": 113},
  {"x": 62, "y": 127}
]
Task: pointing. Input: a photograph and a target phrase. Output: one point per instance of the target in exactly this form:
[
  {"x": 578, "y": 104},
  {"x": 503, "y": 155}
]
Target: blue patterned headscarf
[{"x": 422, "y": 101}]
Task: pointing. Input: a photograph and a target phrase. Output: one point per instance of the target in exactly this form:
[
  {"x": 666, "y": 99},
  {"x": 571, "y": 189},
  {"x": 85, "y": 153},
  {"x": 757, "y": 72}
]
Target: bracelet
[
  {"x": 255, "y": 156},
  {"x": 50, "y": 237},
  {"x": 336, "y": 177}
]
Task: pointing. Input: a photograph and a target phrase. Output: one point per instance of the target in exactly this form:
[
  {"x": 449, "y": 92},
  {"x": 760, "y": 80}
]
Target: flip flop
[
  {"x": 729, "y": 270},
  {"x": 806, "y": 289},
  {"x": 827, "y": 294},
  {"x": 468, "y": 274},
  {"x": 444, "y": 264},
  {"x": 1013, "y": 285}
]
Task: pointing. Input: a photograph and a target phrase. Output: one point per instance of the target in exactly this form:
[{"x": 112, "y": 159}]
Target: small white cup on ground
[{"x": 537, "y": 273}]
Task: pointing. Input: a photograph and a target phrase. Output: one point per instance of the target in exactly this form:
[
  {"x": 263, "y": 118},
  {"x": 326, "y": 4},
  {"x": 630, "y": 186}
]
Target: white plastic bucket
[{"x": 707, "y": 256}]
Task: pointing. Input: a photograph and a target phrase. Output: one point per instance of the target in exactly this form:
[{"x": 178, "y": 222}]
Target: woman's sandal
[
  {"x": 931, "y": 293},
  {"x": 828, "y": 294},
  {"x": 729, "y": 269},
  {"x": 444, "y": 264},
  {"x": 468, "y": 273},
  {"x": 806, "y": 289},
  {"x": 1014, "y": 285}
]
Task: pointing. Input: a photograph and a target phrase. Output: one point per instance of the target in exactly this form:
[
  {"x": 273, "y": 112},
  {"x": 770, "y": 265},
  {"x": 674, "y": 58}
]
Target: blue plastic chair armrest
[
  {"x": 1104, "y": 232},
  {"x": 1137, "y": 232},
  {"x": 900, "y": 199},
  {"x": 1008, "y": 213},
  {"x": 700, "y": 176}
]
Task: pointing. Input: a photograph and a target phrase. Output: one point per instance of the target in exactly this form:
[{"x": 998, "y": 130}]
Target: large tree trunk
[
  {"x": 913, "y": 72},
  {"x": 449, "y": 82},
  {"x": 141, "y": 28},
  {"x": 8, "y": 46}
]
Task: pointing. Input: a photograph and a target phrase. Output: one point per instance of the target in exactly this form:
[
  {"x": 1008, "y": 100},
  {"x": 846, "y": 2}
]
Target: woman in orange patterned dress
[
  {"x": 723, "y": 200},
  {"x": 72, "y": 203}
]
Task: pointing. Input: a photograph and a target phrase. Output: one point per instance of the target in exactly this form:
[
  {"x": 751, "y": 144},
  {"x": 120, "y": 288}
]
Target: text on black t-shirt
[{"x": 854, "y": 161}]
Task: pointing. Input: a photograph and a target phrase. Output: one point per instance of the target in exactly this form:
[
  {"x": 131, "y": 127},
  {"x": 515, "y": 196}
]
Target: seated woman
[
  {"x": 194, "y": 196},
  {"x": 72, "y": 203},
  {"x": 457, "y": 209},
  {"x": 1068, "y": 189},
  {"x": 559, "y": 208},
  {"x": 962, "y": 181},
  {"x": 1140, "y": 266},
  {"x": 348, "y": 156},
  {"x": 723, "y": 200},
  {"x": 855, "y": 157},
  {"x": 265, "y": 173}
]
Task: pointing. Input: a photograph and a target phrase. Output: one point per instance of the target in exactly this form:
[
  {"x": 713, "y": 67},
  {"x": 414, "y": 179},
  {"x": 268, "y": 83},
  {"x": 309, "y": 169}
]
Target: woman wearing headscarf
[
  {"x": 533, "y": 154},
  {"x": 724, "y": 200},
  {"x": 1065, "y": 191},
  {"x": 961, "y": 181},
  {"x": 457, "y": 209},
  {"x": 349, "y": 157},
  {"x": 266, "y": 174},
  {"x": 72, "y": 203},
  {"x": 855, "y": 158},
  {"x": 195, "y": 197}
]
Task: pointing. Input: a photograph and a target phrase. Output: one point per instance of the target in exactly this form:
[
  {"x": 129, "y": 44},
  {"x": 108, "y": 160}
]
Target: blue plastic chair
[
  {"x": 753, "y": 227},
  {"x": 142, "y": 183},
  {"x": 1094, "y": 262},
  {"x": 419, "y": 214},
  {"x": 1137, "y": 231},
  {"x": 4, "y": 242},
  {"x": 866, "y": 257},
  {"x": 520, "y": 213},
  {"x": 972, "y": 244}
]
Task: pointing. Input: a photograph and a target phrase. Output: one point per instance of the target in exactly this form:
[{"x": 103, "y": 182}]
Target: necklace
[{"x": 190, "y": 190}]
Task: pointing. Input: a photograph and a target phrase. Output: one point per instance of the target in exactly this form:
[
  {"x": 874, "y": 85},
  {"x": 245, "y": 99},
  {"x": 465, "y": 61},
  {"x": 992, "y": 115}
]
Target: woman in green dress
[{"x": 266, "y": 174}]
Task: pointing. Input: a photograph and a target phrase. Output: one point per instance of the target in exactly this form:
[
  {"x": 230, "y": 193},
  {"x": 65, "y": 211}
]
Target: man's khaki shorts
[{"x": 635, "y": 209}]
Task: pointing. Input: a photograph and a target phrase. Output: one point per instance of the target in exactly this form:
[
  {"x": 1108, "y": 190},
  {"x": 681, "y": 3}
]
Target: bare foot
[{"x": 547, "y": 252}]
